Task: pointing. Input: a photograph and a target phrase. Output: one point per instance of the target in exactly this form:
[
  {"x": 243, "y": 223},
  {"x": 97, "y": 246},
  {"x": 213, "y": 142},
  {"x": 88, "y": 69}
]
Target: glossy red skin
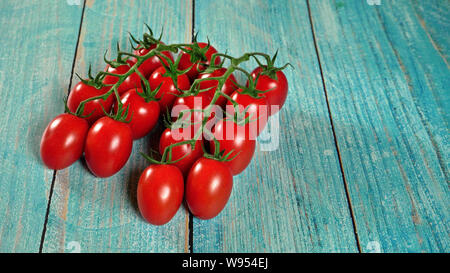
[
  {"x": 170, "y": 137},
  {"x": 82, "y": 92},
  {"x": 185, "y": 61},
  {"x": 242, "y": 145},
  {"x": 278, "y": 95},
  {"x": 228, "y": 87},
  {"x": 131, "y": 82},
  {"x": 108, "y": 146},
  {"x": 152, "y": 63},
  {"x": 167, "y": 91},
  {"x": 198, "y": 102},
  {"x": 63, "y": 141},
  {"x": 144, "y": 115},
  {"x": 160, "y": 193},
  {"x": 258, "y": 108},
  {"x": 208, "y": 188}
]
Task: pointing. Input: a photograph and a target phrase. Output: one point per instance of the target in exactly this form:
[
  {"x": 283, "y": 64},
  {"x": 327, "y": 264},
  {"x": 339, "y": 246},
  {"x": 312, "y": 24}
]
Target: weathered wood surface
[
  {"x": 291, "y": 199},
  {"x": 387, "y": 82},
  {"x": 37, "y": 46},
  {"x": 381, "y": 72},
  {"x": 100, "y": 215}
]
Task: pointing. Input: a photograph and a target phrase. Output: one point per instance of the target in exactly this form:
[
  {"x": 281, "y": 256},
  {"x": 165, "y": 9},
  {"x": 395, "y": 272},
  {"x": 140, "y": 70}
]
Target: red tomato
[
  {"x": 198, "y": 102},
  {"x": 144, "y": 115},
  {"x": 185, "y": 61},
  {"x": 228, "y": 87},
  {"x": 131, "y": 82},
  {"x": 237, "y": 138},
  {"x": 159, "y": 193},
  {"x": 63, "y": 141},
  {"x": 208, "y": 188},
  {"x": 82, "y": 92},
  {"x": 277, "y": 96},
  {"x": 258, "y": 108},
  {"x": 152, "y": 63},
  {"x": 167, "y": 91},
  {"x": 170, "y": 137},
  {"x": 108, "y": 146}
]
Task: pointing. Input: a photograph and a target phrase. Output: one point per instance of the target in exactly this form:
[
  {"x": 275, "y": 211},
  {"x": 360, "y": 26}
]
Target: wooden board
[
  {"x": 100, "y": 215},
  {"x": 387, "y": 82},
  {"x": 37, "y": 47},
  {"x": 291, "y": 199}
]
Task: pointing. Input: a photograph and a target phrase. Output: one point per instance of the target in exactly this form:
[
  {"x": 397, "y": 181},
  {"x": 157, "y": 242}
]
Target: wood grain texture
[
  {"x": 387, "y": 84},
  {"x": 37, "y": 46},
  {"x": 291, "y": 199},
  {"x": 100, "y": 215}
]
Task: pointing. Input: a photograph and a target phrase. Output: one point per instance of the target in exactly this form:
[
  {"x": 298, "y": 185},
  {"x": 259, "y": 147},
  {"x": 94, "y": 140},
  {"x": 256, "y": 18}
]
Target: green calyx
[{"x": 269, "y": 68}]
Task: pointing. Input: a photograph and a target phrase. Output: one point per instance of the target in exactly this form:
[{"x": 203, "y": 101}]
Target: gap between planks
[
  {"x": 44, "y": 229},
  {"x": 341, "y": 166}
]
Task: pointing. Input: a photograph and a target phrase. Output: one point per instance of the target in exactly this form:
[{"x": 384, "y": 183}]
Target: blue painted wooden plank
[
  {"x": 89, "y": 214},
  {"x": 291, "y": 199},
  {"x": 37, "y": 47},
  {"x": 387, "y": 88}
]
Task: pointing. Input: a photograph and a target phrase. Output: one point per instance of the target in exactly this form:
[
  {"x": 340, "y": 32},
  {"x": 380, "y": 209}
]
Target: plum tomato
[
  {"x": 258, "y": 108},
  {"x": 63, "y": 141},
  {"x": 172, "y": 136},
  {"x": 228, "y": 87},
  {"x": 108, "y": 146},
  {"x": 278, "y": 88},
  {"x": 168, "y": 91},
  {"x": 131, "y": 82},
  {"x": 160, "y": 193},
  {"x": 144, "y": 114},
  {"x": 208, "y": 187},
  {"x": 82, "y": 92},
  {"x": 185, "y": 61},
  {"x": 236, "y": 138},
  {"x": 152, "y": 63}
]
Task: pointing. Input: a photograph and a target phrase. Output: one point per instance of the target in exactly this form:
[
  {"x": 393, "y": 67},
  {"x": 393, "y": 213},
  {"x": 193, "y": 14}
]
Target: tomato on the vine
[
  {"x": 228, "y": 87},
  {"x": 185, "y": 61},
  {"x": 208, "y": 187},
  {"x": 108, "y": 146},
  {"x": 197, "y": 102},
  {"x": 82, "y": 92},
  {"x": 131, "y": 82},
  {"x": 144, "y": 115},
  {"x": 278, "y": 88},
  {"x": 172, "y": 136},
  {"x": 152, "y": 63},
  {"x": 257, "y": 108},
  {"x": 160, "y": 193},
  {"x": 168, "y": 91},
  {"x": 236, "y": 138},
  {"x": 63, "y": 141}
]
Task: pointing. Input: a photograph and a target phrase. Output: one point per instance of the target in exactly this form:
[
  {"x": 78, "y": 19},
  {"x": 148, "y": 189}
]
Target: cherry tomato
[
  {"x": 167, "y": 91},
  {"x": 228, "y": 87},
  {"x": 277, "y": 96},
  {"x": 63, "y": 141},
  {"x": 258, "y": 108},
  {"x": 159, "y": 193},
  {"x": 108, "y": 146},
  {"x": 144, "y": 115},
  {"x": 237, "y": 138},
  {"x": 198, "y": 102},
  {"x": 152, "y": 63},
  {"x": 82, "y": 92},
  {"x": 170, "y": 137},
  {"x": 131, "y": 82},
  {"x": 185, "y": 61},
  {"x": 208, "y": 188}
]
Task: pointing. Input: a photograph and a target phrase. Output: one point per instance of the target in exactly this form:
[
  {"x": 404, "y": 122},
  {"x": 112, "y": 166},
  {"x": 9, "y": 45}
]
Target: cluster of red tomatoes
[{"x": 200, "y": 171}]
